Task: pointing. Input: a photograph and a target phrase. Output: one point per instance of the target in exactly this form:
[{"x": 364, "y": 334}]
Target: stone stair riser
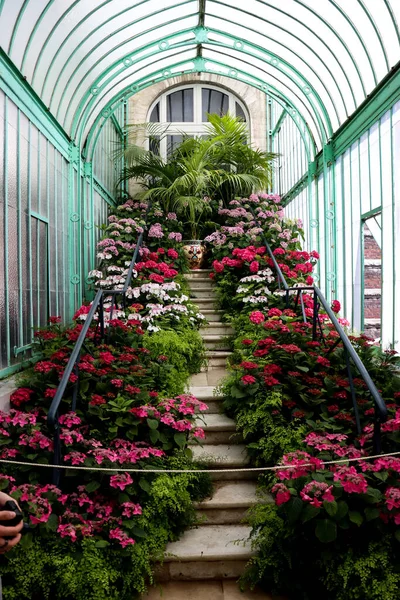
[
  {"x": 215, "y": 363},
  {"x": 214, "y": 407},
  {"x": 213, "y": 316},
  {"x": 202, "y": 294},
  {"x": 201, "y": 283},
  {"x": 222, "y": 437},
  {"x": 217, "y": 516},
  {"x": 198, "y": 273},
  {"x": 216, "y": 345},
  {"x": 217, "y": 329},
  {"x": 233, "y": 476},
  {"x": 201, "y": 570},
  {"x": 213, "y": 376}
]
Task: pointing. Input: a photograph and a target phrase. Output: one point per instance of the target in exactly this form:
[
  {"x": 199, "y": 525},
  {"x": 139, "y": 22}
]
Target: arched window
[{"x": 183, "y": 111}]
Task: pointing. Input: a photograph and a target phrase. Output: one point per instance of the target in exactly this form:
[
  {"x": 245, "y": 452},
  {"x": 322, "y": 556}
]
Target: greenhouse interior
[{"x": 199, "y": 339}]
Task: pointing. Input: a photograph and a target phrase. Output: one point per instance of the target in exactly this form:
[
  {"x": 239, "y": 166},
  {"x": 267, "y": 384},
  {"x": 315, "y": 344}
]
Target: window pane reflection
[
  {"x": 240, "y": 112},
  {"x": 213, "y": 102},
  {"x": 180, "y": 106},
  {"x": 155, "y": 114}
]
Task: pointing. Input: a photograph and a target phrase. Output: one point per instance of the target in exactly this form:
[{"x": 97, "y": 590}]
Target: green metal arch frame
[
  {"x": 353, "y": 30},
  {"x": 309, "y": 66},
  {"x": 126, "y": 41},
  {"x": 151, "y": 79},
  {"x": 325, "y": 130},
  {"x": 311, "y": 31},
  {"x": 144, "y": 1}
]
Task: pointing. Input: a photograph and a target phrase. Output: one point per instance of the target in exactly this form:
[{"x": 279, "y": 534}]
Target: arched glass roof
[{"x": 320, "y": 60}]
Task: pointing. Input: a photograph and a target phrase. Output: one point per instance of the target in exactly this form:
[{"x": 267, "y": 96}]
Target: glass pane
[
  {"x": 240, "y": 112},
  {"x": 155, "y": 114},
  {"x": 180, "y": 106},
  {"x": 213, "y": 102}
]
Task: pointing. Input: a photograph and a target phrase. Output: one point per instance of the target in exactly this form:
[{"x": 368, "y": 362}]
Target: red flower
[
  {"x": 254, "y": 266},
  {"x": 20, "y": 396},
  {"x": 282, "y": 493},
  {"x": 335, "y": 306},
  {"x": 218, "y": 267},
  {"x": 118, "y": 383},
  {"x": 256, "y": 317},
  {"x": 274, "y": 312},
  {"x": 248, "y": 365},
  {"x": 156, "y": 278},
  {"x": 132, "y": 389},
  {"x": 54, "y": 320},
  {"x": 44, "y": 366},
  {"x": 290, "y": 348},
  {"x": 172, "y": 253},
  {"x": 97, "y": 400},
  {"x": 323, "y": 361},
  {"x": 248, "y": 379},
  {"x": 270, "y": 381},
  {"x": 247, "y": 342},
  {"x": 272, "y": 368}
]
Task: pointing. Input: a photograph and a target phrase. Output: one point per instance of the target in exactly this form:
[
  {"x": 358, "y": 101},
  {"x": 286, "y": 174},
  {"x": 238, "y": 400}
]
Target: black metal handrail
[
  {"x": 72, "y": 365},
  {"x": 320, "y": 300}
]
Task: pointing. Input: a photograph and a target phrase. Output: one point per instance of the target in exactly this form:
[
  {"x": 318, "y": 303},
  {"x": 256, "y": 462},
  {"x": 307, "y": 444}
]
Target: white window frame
[{"x": 196, "y": 127}]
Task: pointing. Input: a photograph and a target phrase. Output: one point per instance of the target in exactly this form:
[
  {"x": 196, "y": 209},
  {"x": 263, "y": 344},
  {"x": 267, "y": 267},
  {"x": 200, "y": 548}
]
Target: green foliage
[
  {"x": 50, "y": 568},
  {"x": 185, "y": 351}
]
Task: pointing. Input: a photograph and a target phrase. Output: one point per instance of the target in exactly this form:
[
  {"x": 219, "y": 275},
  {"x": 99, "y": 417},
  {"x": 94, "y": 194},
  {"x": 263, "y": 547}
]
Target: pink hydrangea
[
  {"x": 315, "y": 492},
  {"x": 282, "y": 493},
  {"x": 256, "y": 317},
  {"x": 121, "y": 481}
]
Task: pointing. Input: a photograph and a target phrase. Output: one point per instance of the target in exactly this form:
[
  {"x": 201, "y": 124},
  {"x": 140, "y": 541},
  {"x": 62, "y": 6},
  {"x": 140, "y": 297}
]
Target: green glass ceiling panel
[{"x": 323, "y": 57}]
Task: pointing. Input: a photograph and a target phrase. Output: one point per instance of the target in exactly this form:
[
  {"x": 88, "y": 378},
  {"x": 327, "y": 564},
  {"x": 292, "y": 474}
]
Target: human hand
[{"x": 8, "y": 532}]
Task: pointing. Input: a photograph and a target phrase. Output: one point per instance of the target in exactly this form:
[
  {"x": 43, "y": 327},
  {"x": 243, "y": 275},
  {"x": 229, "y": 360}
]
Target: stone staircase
[{"x": 207, "y": 560}]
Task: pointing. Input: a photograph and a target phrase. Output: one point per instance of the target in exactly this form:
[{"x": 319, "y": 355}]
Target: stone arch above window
[{"x": 184, "y": 111}]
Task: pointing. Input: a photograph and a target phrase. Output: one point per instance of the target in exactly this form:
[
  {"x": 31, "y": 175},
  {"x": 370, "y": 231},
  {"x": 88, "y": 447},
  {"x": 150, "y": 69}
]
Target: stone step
[
  {"x": 203, "y": 392},
  {"x": 221, "y": 456},
  {"x": 211, "y": 544},
  {"x": 217, "y": 423},
  {"x": 202, "y": 293},
  {"x": 210, "y": 376},
  {"x": 200, "y": 282},
  {"x": 212, "y": 315},
  {"x": 224, "y": 589},
  {"x": 215, "y": 342},
  {"x": 7, "y": 387},
  {"x": 219, "y": 429},
  {"x": 224, "y": 456},
  {"x": 217, "y": 329},
  {"x": 230, "y": 503},
  {"x": 204, "y": 304},
  {"x": 217, "y": 358},
  {"x": 206, "y": 394}
]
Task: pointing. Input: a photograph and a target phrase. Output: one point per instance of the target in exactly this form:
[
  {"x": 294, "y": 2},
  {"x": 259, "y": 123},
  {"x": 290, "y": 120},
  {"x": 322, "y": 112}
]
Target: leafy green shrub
[
  {"x": 185, "y": 351},
  {"x": 47, "y": 567}
]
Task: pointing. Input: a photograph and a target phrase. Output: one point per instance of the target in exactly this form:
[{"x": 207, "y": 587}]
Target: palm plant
[{"x": 219, "y": 166}]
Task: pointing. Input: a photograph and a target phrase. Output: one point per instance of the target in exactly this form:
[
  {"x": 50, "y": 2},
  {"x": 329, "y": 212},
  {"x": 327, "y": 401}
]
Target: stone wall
[{"x": 252, "y": 98}]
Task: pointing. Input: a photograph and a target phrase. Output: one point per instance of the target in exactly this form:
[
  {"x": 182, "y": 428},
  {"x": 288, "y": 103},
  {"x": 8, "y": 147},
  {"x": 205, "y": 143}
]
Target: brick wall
[{"x": 372, "y": 285}]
